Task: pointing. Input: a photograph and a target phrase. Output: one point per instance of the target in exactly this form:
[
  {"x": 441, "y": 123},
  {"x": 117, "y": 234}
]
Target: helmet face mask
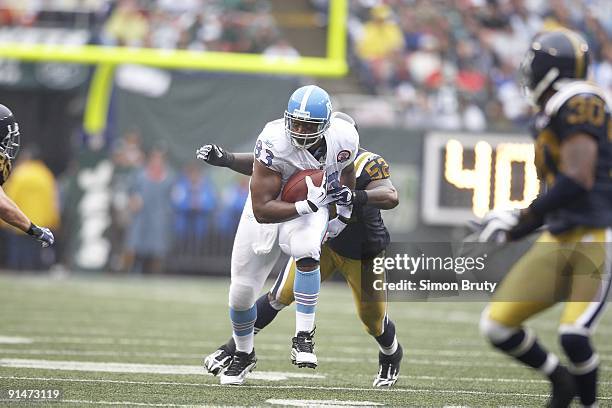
[
  {"x": 308, "y": 116},
  {"x": 10, "y": 137},
  {"x": 304, "y": 132},
  {"x": 9, "y": 146}
]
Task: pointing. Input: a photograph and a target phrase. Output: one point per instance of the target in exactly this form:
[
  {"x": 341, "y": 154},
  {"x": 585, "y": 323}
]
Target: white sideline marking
[
  {"x": 273, "y": 347},
  {"x": 133, "y": 403},
  {"x": 290, "y": 387},
  {"x": 321, "y": 403},
  {"x": 139, "y": 368},
  {"x": 274, "y": 357},
  {"x": 14, "y": 340},
  {"x": 304, "y": 387}
]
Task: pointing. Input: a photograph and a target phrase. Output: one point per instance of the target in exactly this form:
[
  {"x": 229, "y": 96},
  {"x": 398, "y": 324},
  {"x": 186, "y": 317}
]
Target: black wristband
[
  {"x": 360, "y": 198},
  {"x": 343, "y": 219},
  {"x": 230, "y": 159},
  {"x": 32, "y": 229},
  {"x": 528, "y": 222},
  {"x": 312, "y": 206},
  {"x": 563, "y": 192}
]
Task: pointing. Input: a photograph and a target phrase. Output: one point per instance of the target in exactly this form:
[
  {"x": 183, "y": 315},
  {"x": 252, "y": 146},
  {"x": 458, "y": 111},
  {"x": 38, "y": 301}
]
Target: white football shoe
[
  {"x": 241, "y": 365},
  {"x": 388, "y": 368},
  {"x": 218, "y": 361},
  {"x": 302, "y": 350}
]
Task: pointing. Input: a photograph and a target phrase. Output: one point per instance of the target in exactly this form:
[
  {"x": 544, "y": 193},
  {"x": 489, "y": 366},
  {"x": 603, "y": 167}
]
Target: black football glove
[{"x": 215, "y": 155}]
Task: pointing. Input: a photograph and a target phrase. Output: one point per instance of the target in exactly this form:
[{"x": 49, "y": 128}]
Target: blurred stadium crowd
[
  {"x": 420, "y": 64},
  {"x": 156, "y": 210},
  {"x": 204, "y": 25},
  {"x": 453, "y": 63},
  {"x": 450, "y": 64}
]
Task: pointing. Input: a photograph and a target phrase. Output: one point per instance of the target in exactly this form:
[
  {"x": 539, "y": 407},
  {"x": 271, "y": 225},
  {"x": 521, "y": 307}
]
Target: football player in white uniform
[{"x": 307, "y": 138}]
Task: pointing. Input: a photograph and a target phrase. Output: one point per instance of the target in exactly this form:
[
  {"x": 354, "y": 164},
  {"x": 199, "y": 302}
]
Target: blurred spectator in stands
[
  {"x": 7, "y": 15},
  {"x": 127, "y": 25},
  {"x": 147, "y": 238},
  {"x": 523, "y": 21},
  {"x": 281, "y": 48},
  {"x": 602, "y": 70},
  {"x": 194, "y": 200},
  {"x": 33, "y": 188},
  {"x": 233, "y": 197},
  {"x": 379, "y": 47},
  {"x": 127, "y": 158}
]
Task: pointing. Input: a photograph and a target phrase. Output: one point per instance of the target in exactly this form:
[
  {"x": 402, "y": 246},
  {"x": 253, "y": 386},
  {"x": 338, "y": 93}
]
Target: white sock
[
  {"x": 550, "y": 364},
  {"x": 304, "y": 322},
  {"x": 244, "y": 343},
  {"x": 389, "y": 350}
]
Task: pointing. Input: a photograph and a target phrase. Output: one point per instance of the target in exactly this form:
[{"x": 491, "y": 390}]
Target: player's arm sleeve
[
  {"x": 375, "y": 168},
  {"x": 582, "y": 113},
  {"x": 353, "y": 142},
  {"x": 266, "y": 154},
  {"x": 11, "y": 214}
]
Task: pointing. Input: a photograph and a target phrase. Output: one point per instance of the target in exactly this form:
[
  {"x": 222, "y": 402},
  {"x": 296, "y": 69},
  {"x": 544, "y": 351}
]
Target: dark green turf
[{"x": 177, "y": 321}]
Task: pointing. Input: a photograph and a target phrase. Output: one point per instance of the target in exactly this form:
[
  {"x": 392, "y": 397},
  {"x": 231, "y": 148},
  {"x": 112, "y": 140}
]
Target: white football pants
[{"x": 257, "y": 248}]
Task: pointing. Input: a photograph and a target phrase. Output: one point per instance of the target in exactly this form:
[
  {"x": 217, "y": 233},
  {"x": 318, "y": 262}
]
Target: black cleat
[
  {"x": 388, "y": 368},
  {"x": 241, "y": 365},
  {"x": 218, "y": 361},
  {"x": 302, "y": 350},
  {"x": 563, "y": 388}
]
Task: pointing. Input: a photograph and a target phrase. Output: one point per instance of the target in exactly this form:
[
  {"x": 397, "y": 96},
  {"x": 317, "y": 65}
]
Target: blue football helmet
[{"x": 308, "y": 116}]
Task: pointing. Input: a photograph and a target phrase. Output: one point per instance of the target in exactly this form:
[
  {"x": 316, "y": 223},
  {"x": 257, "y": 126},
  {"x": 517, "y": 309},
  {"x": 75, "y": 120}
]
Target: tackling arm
[
  {"x": 578, "y": 156},
  {"x": 578, "y": 159},
  {"x": 215, "y": 155},
  {"x": 381, "y": 194},
  {"x": 242, "y": 163},
  {"x": 11, "y": 214}
]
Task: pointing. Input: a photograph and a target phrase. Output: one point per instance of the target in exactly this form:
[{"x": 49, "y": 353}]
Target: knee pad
[
  {"x": 306, "y": 263},
  {"x": 241, "y": 296}
]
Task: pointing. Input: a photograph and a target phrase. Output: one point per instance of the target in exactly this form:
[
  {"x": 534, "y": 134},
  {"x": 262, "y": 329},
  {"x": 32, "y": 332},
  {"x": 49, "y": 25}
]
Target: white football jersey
[{"x": 274, "y": 150}]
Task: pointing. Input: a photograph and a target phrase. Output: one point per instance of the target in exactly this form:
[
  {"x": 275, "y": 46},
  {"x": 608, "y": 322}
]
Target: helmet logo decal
[
  {"x": 343, "y": 156},
  {"x": 301, "y": 113}
]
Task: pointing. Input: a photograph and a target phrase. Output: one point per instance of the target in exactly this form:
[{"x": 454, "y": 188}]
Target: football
[{"x": 296, "y": 189}]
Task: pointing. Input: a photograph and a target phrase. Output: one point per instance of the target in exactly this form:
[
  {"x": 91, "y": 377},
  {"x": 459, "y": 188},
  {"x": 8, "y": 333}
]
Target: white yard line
[
  {"x": 14, "y": 340},
  {"x": 292, "y": 387},
  {"x": 91, "y": 366},
  {"x": 399, "y": 390},
  {"x": 321, "y": 403},
  {"x": 274, "y": 357},
  {"x": 459, "y": 352},
  {"x": 134, "y": 403}
]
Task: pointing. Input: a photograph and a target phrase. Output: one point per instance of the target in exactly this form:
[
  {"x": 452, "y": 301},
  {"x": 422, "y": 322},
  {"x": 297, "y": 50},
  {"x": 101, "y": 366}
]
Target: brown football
[{"x": 295, "y": 189}]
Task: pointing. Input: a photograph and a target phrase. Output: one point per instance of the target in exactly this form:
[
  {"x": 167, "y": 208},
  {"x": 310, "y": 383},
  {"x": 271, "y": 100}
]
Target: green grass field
[{"x": 140, "y": 342}]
